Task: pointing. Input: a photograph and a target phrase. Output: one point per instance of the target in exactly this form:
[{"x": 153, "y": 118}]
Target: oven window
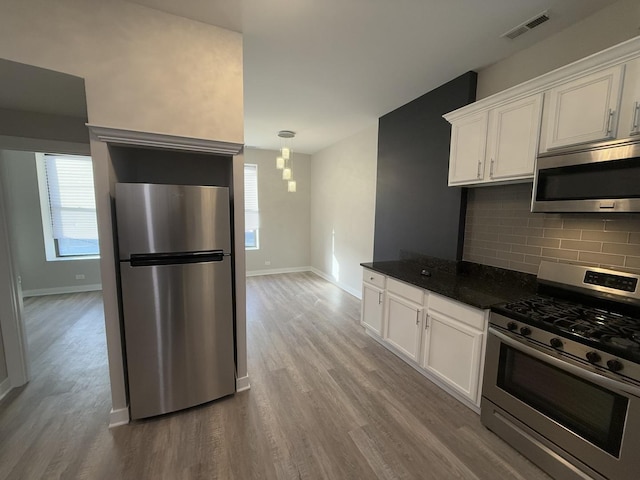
[
  {"x": 590, "y": 411},
  {"x": 603, "y": 180}
]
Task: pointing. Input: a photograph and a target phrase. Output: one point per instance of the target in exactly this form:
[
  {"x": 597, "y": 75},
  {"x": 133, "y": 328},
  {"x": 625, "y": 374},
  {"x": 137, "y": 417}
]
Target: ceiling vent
[{"x": 526, "y": 26}]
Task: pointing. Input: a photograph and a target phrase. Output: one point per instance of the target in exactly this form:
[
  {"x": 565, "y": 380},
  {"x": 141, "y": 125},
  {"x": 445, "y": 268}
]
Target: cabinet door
[
  {"x": 468, "y": 149},
  {"x": 630, "y": 107},
  {"x": 514, "y": 130},
  {"x": 372, "y": 301},
  {"x": 585, "y": 109},
  {"x": 403, "y": 325},
  {"x": 452, "y": 352}
]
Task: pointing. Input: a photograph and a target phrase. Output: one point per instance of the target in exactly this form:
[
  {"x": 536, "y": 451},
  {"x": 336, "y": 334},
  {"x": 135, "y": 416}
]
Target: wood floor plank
[{"x": 326, "y": 402}]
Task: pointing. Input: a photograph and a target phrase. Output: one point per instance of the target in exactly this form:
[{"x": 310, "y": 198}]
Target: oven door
[{"x": 579, "y": 414}]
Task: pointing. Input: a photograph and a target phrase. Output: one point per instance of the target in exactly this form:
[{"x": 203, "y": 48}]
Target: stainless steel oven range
[{"x": 562, "y": 373}]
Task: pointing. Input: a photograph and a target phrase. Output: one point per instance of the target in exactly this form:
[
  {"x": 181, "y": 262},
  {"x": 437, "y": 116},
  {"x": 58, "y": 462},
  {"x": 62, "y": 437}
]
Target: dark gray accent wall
[{"x": 415, "y": 209}]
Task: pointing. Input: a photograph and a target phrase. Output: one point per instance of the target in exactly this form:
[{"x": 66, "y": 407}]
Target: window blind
[
  {"x": 71, "y": 197},
  {"x": 251, "y": 210}
]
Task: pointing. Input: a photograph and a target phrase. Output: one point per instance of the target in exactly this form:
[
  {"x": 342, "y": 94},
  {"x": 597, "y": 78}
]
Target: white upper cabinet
[
  {"x": 496, "y": 145},
  {"x": 497, "y": 139},
  {"x": 513, "y": 139},
  {"x": 629, "y": 123},
  {"x": 468, "y": 149},
  {"x": 584, "y": 110}
]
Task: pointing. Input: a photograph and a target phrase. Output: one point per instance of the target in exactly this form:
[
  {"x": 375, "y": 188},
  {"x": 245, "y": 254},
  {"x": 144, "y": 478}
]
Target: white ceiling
[{"x": 327, "y": 69}]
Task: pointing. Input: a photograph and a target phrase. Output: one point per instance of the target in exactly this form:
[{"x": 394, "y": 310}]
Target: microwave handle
[{"x": 592, "y": 377}]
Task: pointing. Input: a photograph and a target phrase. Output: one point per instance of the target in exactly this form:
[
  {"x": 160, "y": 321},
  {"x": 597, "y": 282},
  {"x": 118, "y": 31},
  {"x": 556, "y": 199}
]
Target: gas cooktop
[{"x": 608, "y": 330}]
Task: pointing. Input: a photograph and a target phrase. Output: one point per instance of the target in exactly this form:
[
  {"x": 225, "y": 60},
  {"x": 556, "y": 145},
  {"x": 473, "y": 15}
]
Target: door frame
[{"x": 11, "y": 321}]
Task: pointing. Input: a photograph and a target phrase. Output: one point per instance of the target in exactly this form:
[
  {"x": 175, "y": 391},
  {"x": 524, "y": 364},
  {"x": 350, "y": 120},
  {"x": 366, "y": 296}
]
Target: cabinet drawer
[
  {"x": 409, "y": 292},
  {"x": 474, "y": 317},
  {"x": 373, "y": 278}
]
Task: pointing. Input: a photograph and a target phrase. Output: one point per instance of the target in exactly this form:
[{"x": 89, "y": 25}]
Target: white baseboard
[
  {"x": 242, "y": 384},
  {"x": 5, "y": 387},
  {"x": 329, "y": 278},
  {"x": 275, "y": 271},
  {"x": 37, "y": 292},
  {"x": 119, "y": 417}
]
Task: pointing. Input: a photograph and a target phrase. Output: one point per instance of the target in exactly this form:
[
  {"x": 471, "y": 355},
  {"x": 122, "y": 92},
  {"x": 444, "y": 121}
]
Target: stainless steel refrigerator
[{"x": 176, "y": 284}]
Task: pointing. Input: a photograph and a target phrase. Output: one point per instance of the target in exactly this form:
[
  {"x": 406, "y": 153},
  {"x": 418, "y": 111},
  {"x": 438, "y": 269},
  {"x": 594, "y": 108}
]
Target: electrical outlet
[
  {"x": 79, "y": 276},
  {"x": 267, "y": 262}
]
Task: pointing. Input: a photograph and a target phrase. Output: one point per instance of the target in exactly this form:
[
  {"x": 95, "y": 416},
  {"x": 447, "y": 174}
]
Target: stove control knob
[
  {"x": 525, "y": 331},
  {"x": 555, "y": 342},
  {"x": 512, "y": 326},
  {"x": 593, "y": 357},
  {"x": 615, "y": 365}
]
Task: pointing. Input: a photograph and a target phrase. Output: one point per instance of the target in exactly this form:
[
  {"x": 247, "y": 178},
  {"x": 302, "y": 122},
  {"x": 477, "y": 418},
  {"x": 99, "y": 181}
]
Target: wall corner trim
[
  {"x": 342, "y": 286},
  {"x": 242, "y": 384},
  {"x": 161, "y": 140},
  {"x": 37, "y": 292},
  {"x": 5, "y": 387},
  {"x": 119, "y": 417}
]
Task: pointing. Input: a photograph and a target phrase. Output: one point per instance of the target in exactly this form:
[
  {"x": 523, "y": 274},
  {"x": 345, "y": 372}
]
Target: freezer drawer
[
  {"x": 178, "y": 325},
  {"x": 171, "y": 218}
]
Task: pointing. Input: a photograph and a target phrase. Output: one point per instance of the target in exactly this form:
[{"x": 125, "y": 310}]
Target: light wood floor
[{"x": 326, "y": 401}]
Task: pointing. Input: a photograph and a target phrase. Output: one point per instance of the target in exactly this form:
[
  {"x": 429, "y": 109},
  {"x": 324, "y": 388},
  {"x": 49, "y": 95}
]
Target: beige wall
[
  {"x": 502, "y": 232},
  {"x": 25, "y": 229},
  {"x": 343, "y": 198},
  {"x": 284, "y": 217},
  {"x": 144, "y": 70},
  {"x": 605, "y": 28}
]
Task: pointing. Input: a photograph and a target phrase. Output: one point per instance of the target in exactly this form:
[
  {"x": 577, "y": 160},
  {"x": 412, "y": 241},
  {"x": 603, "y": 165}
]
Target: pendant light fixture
[{"x": 284, "y": 161}]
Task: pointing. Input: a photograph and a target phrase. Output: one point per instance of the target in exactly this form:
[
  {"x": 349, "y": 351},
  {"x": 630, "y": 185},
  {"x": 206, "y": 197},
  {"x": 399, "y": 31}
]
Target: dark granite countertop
[{"x": 477, "y": 285}]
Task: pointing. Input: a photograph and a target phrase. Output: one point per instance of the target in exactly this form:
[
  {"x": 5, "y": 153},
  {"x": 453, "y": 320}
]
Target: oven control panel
[{"x": 617, "y": 282}]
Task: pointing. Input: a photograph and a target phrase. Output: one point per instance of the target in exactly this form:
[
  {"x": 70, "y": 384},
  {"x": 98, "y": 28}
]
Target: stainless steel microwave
[{"x": 603, "y": 177}]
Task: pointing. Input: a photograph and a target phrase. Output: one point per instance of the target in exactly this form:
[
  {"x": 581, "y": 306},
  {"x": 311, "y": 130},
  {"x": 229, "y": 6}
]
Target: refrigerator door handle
[{"x": 153, "y": 259}]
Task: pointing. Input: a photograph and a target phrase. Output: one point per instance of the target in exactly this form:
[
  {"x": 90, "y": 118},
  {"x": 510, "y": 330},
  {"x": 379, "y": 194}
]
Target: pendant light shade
[{"x": 284, "y": 161}]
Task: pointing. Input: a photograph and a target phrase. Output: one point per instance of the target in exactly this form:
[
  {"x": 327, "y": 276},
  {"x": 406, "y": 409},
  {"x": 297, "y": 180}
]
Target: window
[
  {"x": 251, "y": 212},
  {"x": 67, "y": 201}
]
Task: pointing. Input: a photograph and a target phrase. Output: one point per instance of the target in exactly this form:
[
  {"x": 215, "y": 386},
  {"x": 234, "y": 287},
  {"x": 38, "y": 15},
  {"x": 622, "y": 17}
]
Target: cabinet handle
[
  {"x": 379, "y": 298},
  {"x": 418, "y": 312},
  {"x": 491, "y": 169},
  {"x": 479, "y": 167},
  {"x": 634, "y": 126},
  {"x": 426, "y": 322},
  {"x": 370, "y": 278},
  {"x": 610, "y": 122}
]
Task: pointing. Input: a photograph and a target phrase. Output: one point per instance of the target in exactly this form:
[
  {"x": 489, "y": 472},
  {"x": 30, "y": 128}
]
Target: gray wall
[
  {"x": 605, "y": 28},
  {"x": 416, "y": 211},
  {"x": 343, "y": 198},
  {"x": 42, "y": 126},
  {"x": 284, "y": 216},
  {"x": 22, "y": 205}
]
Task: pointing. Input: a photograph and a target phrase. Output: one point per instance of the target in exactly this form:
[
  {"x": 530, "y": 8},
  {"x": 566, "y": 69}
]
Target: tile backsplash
[{"x": 502, "y": 232}]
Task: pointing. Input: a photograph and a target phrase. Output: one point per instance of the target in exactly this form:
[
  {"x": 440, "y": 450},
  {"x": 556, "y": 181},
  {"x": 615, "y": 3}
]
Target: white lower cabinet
[
  {"x": 372, "y": 308},
  {"x": 403, "y": 325},
  {"x": 443, "y": 338},
  {"x": 452, "y": 351}
]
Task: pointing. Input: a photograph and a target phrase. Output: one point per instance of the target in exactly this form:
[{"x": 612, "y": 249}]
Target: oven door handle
[{"x": 593, "y": 377}]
